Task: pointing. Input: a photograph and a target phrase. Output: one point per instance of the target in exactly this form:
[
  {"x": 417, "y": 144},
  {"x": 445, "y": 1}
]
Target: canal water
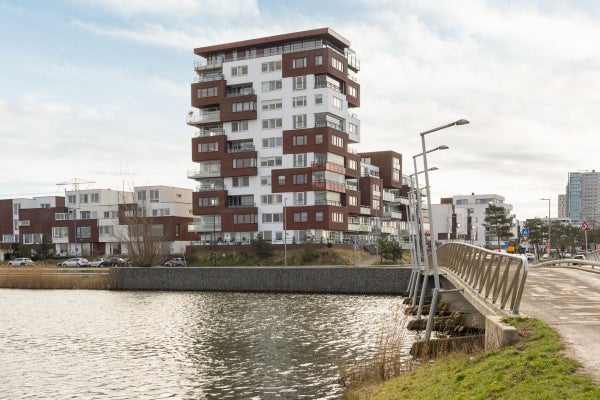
[{"x": 79, "y": 344}]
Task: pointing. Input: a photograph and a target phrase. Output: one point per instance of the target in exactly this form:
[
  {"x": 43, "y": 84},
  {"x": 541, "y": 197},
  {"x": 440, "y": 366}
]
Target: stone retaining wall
[{"x": 349, "y": 280}]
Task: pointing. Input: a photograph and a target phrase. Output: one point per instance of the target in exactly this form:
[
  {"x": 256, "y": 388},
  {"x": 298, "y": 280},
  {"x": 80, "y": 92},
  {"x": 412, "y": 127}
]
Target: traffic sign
[
  {"x": 525, "y": 232},
  {"x": 584, "y": 226},
  {"x": 525, "y": 238}
]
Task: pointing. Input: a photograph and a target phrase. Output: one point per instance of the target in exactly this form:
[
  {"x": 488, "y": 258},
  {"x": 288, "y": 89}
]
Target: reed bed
[{"x": 52, "y": 278}]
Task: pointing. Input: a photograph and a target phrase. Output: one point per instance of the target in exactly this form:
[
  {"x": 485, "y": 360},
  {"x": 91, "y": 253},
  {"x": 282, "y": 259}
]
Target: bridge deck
[{"x": 568, "y": 300}]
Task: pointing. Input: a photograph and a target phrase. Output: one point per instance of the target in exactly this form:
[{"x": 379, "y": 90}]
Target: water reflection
[{"x": 182, "y": 345}]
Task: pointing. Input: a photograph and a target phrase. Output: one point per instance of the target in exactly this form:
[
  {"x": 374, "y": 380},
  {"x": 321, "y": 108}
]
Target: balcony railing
[
  {"x": 210, "y": 188},
  {"x": 239, "y": 149},
  {"x": 351, "y": 186},
  {"x": 243, "y": 205},
  {"x": 209, "y": 78},
  {"x": 211, "y": 116},
  {"x": 323, "y": 184},
  {"x": 321, "y": 85},
  {"x": 328, "y": 166},
  {"x": 210, "y": 132},
  {"x": 204, "y": 227},
  {"x": 197, "y": 174},
  {"x": 329, "y": 124},
  {"x": 202, "y": 65},
  {"x": 328, "y": 203}
]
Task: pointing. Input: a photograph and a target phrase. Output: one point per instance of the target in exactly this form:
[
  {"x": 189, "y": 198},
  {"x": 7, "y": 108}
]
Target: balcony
[
  {"x": 241, "y": 148},
  {"x": 328, "y": 203},
  {"x": 205, "y": 227},
  {"x": 198, "y": 174},
  {"x": 202, "y": 65},
  {"x": 210, "y": 188},
  {"x": 243, "y": 205},
  {"x": 328, "y": 166},
  {"x": 202, "y": 118},
  {"x": 329, "y": 85},
  {"x": 241, "y": 92}
]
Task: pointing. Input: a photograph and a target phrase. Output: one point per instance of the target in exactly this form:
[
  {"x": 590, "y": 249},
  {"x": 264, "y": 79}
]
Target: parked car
[
  {"x": 96, "y": 262},
  {"x": 175, "y": 262},
  {"x": 75, "y": 262},
  {"x": 579, "y": 257},
  {"x": 113, "y": 262},
  {"x": 17, "y": 262},
  {"x": 530, "y": 256}
]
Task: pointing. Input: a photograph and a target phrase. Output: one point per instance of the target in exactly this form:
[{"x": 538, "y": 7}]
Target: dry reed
[{"x": 45, "y": 278}]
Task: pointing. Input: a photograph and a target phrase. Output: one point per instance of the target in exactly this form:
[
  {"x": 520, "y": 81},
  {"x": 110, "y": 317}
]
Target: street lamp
[
  {"x": 420, "y": 215},
  {"x": 214, "y": 238},
  {"x": 436, "y": 277},
  {"x": 548, "y": 245},
  {"x": 284, "y": 233}
]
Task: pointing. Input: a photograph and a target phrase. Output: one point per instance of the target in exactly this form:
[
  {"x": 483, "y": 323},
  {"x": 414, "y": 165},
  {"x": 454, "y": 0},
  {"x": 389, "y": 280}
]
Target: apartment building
[
  {"x": 95, "y": 222},
  {"x": 275, "y": 119},
  {"x": 583, "y": 197}
]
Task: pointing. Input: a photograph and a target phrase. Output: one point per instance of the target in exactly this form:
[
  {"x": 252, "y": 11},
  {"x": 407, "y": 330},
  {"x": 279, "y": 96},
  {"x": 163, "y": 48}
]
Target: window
[
  {"x": 318, "y": 60},
  {"x": 32, "y": 238},
  {"x": 336, "y": 102},
  {"x": 300, "y": 160},
  {"x": 83, "y": 198},
  {"x": 95, "y": 197},
  {"x": 272, "y": 218},
  {"x": 299, "y": 63},
  {"x": 299, "y": 198},
  {"x": 269, "y": 86},
  {"x": 208, "y": 92},
  {"x": 270, "y": 161},
  {"x": 239, "y": 70},
  {"x": 154, "y": 196},
  {"x": 208, "y": 147},
  {"x": 60, "y": 232},
  {"x": 352, "y": 164},
  {"x": 271, "y": 198},
  {"x": 244, "y": 162},
  {"x": 238, "y": 126},
  {"x": 300, "y": 140},
  {"x": 274, "y": 104},
  {"x": 271, "y": 66},
  {"x": 84, "y": 232},
  {"x": 319, "y": 216},
  {"x": 352, "y": 128},
  {"x": 110, "y": 214},
  {"x": 85, "y": 215},
  {"x": 244, "y": 218},
  {"x": 106, "y": 230},
  {"x": 299, "y": 101},
  {"x": 318, "y": 138},
  {"x": 318, "y": 99},
  {"x": 299, "y": 82},
  {"x": 141, "y": 196},
  {"x": 71, "y": 199},
  {"x": 243, "y": 106},
  {"x": 301, "y": 217},
  {"x": 265, "y": 180},
  {"x": 272, "y": 123},
  {"x": 240, "y": 181},
  {"x": 352, "y": 200},
  {"x": 208, "y": 201},
  {"x": 299, "y": 121},
  {"x": 281, "y": 180},
  {"x": 300, "y": 179},
  {"x": 337, "y": 64},
  {"x": 352, "y": 91},
  {"x": 337, "y": 217},
  {"x": 60, "y": 216},
  {"x": 337, "y": 141},
  {"x": 271, "y": 142}
]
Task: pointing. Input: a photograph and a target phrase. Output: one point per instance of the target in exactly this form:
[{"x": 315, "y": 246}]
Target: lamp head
[
  {"x": 462, "y": 122},
  {"x": 443, "y": 147}
]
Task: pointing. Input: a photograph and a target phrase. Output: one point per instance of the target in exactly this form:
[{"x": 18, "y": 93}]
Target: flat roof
[{"x": 268, "y": 41}]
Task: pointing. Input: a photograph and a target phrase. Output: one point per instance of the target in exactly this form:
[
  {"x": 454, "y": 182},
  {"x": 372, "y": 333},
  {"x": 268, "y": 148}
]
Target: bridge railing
[
  {"x": 570, "y": 262},
  {"x": 497, "y": 277}
]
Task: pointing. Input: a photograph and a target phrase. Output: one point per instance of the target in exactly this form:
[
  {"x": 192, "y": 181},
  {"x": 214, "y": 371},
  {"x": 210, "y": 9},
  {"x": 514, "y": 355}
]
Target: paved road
[{"x": 569, "y": 301}]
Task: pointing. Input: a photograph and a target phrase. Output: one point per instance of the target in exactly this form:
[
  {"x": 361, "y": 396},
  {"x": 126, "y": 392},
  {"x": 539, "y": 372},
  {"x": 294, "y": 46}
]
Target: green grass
[{"x": 533, "y": 368}]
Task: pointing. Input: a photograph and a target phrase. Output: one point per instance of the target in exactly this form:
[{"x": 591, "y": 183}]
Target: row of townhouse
[
  {"x": 275, "y": 124},
  {"x": 95, "y": 222}
]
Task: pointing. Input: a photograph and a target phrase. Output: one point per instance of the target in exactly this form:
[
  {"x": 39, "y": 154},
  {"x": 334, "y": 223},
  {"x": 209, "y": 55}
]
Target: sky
[{"x": 98, "y": 90}]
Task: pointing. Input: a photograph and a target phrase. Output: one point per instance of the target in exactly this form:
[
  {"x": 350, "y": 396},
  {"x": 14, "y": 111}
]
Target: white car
[
  {"x": 96, "y": 262},
  {"x": 17, "y": 262},
  {"x": 75, "y": 262}
]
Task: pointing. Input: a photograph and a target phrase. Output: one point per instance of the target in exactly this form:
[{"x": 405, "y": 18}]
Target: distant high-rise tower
[{"x": 583, "y": 196}]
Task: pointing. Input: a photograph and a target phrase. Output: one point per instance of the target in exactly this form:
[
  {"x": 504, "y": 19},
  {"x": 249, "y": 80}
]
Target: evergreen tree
[{"x": 496, "y": 216}]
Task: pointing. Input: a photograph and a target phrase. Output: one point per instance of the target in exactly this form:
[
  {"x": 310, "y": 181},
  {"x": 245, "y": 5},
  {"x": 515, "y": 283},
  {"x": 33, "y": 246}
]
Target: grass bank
[
  {"x": 533, "y": 368},
  {"x": 51, "y": 277}
]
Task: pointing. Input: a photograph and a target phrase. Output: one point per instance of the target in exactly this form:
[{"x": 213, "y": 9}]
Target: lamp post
[
  {"x": 423, "y": 238},
  {"x": 548, "y": 245},
  {"x": 214, "y": 238},
  {"x": 284, "y": 233},
  {"x": 436, "y": 277}
]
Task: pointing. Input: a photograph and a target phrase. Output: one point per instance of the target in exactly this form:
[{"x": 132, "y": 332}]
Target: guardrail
[
  {"x": 497, "y": 277},
  {"x": 570, "y": 262}
]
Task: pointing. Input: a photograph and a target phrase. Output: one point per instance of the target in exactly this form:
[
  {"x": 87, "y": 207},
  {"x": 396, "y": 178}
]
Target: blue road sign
[{"x": 525, "y": 232}]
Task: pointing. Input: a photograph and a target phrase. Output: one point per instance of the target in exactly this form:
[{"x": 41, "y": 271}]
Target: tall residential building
[
  {"x": 583, "y": 197},
  {"x": 275, "y": 119}
]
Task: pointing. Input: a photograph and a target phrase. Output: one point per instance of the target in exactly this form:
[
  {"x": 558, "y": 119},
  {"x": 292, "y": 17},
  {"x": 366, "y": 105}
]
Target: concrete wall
[{"x": 361, "y": 280}]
